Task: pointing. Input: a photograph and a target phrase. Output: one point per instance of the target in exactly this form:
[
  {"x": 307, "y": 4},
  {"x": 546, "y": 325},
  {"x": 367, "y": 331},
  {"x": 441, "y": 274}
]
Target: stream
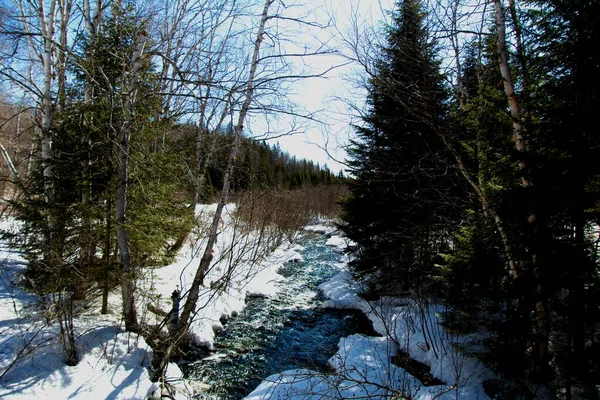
[{"x": 287, "y": 331}]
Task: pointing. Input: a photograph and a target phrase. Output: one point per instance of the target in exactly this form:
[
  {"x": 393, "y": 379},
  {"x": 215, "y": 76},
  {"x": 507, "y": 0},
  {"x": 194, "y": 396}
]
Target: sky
[{"x": 327, "y": 98}]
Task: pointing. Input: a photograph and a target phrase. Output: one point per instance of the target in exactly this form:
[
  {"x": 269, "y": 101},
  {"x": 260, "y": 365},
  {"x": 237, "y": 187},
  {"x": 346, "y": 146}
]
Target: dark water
[{"x": 284, "y": 332}]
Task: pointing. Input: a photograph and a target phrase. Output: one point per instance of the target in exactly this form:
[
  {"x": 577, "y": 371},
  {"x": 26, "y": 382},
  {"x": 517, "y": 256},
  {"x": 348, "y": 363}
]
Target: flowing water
[{"x": 287, "y": 331}]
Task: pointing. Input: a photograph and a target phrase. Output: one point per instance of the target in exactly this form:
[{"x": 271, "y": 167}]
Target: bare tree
[
  {"x": 16, "y": 129},
  {"x": 36, "y": 64},
  {"x": 262, "y": 91},
  {"x": 192, "y": 296}
]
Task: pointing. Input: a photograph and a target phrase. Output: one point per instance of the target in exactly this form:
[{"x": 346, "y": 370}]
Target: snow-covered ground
[
  {"x": 114, "y": 364},
  {"x": 363, "y": 367}
]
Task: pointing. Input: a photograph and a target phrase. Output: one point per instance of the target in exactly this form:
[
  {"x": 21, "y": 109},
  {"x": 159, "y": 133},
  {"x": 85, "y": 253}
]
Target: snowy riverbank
[
  {"x": 114, "y": 364},
  {"x": 363, "y": 367}
]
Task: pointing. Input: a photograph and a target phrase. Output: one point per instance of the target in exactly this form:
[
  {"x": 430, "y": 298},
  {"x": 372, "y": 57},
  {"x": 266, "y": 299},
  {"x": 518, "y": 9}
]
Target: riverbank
[
  {"x": 364, "y": 366},
  {"x": 285, "y": 331},
  {"x": 114, "y": 364}
]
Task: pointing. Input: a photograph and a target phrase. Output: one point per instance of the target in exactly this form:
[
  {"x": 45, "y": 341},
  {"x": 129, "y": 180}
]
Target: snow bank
[
  {"x": 113, "y": 364},
  {"x": 323, "y": 227},
  {"x": 295, "y": 384},
  {"x": 416, "y": 328},
  {"x": 363, "y": 367},
  {"x": 227, "y": 285},
  {"x": 335, "y": 239},
  {"x": 339, "y": 242},
  {"x": 342, "y": 292},
  {"x": 363, "y": 370}
]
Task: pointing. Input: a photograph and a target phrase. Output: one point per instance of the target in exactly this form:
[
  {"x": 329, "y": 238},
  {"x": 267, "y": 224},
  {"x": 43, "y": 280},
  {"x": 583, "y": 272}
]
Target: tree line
[
  {"x": 258, "y": 165},
  {"x": 475, "y": 180}
]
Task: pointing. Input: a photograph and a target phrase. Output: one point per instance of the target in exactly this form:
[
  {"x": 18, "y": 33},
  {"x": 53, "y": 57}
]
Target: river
[{"x": 287, "y": 331}]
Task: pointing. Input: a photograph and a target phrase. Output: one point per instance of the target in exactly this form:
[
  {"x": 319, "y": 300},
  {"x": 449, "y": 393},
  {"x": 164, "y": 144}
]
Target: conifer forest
[{"x": 470, "y": 175}]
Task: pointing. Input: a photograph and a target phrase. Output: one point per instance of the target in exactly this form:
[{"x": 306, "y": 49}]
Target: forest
[
  {"x": 471, "y": 175},
  {"x": 485, "y": 193}
]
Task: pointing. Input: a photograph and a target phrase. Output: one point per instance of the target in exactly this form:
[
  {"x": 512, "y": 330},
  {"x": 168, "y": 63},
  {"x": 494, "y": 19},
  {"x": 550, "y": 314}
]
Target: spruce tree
[
  {"x": 555, "y": 69},
  {"x": 404, "y": 193},
  {"x": 85, "y": 166}
]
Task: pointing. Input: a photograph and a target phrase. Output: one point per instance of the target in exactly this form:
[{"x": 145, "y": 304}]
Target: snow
[
  {"x": 335, "y": 238},
  {"x": 322, "y": 227},
  {"x": 254, "y": 274},
  {"x": 114, "y": 364},
  {"x": 338, "y": 242},
  {"x": 362, "y": 365}
]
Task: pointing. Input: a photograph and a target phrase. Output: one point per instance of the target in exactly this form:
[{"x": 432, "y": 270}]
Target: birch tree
[
  {"x": 129, "y": 96},
  {"x": 541, "y": 322},
  {"x": 193, "y": 293},
  {"x": 257, "y": 85},
  {"x": 36, "y": 63}
]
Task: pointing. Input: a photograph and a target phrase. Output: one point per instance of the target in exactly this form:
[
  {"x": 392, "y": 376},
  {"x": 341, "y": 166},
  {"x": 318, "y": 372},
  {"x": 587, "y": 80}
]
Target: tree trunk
[
  {"x": 128, "y": 278},
  {"x": 65, "y": 7},
  {"x": 487, "y": 208},
  {"x": 11, "y": 166},
  {"x": 192, "y": 296},
  {"x": 541, "y": 316},
  {"x": 509, "y": 89},
  {"x": 47, "y": 29},
  {"x": 87, "y": 243},
  {"x": 107, "y": 258}
]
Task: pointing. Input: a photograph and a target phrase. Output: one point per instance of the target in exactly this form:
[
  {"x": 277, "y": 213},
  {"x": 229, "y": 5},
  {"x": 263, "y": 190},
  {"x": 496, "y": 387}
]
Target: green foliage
[
  {"x": 417, "y": 228},
  {"x": 556, "y": 76},
  {"x": 71, "y": 238},
  {"x": 471, "y": 275},
  {"x": 259, "y": 165},
  {"x": 156, "y": 215}
]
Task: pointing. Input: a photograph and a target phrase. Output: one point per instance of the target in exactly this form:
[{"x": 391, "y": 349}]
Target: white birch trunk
[
  {"x": 509, "y": 89},
  {"x": 128, "y": 278},
  {"x": 47, "y": 19},
  {"x": 11, "y": 166}
]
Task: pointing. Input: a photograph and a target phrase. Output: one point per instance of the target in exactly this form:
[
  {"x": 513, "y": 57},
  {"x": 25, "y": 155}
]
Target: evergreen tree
[
  {"x": 404, "y": 192},
  {"x": 556, "y": 76},
  {"x": 85, "y": 165},
  {"x": 564, "y": 62}
]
